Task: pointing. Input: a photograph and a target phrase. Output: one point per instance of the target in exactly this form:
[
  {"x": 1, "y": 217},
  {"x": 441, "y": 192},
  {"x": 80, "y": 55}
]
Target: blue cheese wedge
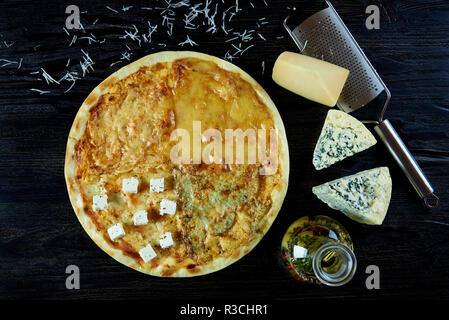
[
  {"x": 363, "y": 197},
  {"x": 342, "y": 136},
  {"x": 157, "y": 185},
  {"x": 130, "y": 185},
  {"x": 147, "y": 253},
  {"x": 116, "y": 231}
]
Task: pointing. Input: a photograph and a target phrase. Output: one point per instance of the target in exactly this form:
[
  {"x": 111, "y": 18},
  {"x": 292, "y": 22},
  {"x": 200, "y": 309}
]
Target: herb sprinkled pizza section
[{"x": 167, "y": 216}]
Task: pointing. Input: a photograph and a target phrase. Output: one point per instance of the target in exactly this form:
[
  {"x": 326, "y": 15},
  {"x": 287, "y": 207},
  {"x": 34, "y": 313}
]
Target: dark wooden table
[{"x": 40, "y": 234}]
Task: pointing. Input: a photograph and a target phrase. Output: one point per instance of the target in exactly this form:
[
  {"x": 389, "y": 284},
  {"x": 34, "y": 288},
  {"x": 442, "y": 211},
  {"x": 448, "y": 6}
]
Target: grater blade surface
[{"x": 324, "y": 36}]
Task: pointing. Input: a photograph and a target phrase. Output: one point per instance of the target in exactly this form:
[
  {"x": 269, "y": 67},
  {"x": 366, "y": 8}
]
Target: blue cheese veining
[
  {"x": 363, "y": 197},
  {"x": 342, "y": 136}
]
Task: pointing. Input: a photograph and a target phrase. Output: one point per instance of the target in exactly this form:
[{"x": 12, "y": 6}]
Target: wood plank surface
[{"x": 40, "y": 234}]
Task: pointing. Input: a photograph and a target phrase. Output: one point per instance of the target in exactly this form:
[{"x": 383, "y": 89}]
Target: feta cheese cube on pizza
[
  {"x": 166, "y": 240},
  {"x": 157, "y": 185},
  {"x": 116, "y": 231},
  {"x": 147, "y": 253},
  {"x": 130, "y": 185},
  {"x": 140, "y": 218},
  {"x": 100, "y": 202},
  {"x": 168, "y": 207}
]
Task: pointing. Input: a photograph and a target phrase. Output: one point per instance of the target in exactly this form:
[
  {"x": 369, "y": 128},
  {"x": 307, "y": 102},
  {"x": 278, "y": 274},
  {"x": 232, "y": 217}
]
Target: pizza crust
[{"x": 79, "y": 125}]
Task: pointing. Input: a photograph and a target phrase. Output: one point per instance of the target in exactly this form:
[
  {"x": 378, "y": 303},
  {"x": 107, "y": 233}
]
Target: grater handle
[{"x": 407, "y": 163}]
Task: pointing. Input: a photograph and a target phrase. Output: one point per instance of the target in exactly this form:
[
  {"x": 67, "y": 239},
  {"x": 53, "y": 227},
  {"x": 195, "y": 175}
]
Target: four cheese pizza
[{"x": 149, "y": 212}]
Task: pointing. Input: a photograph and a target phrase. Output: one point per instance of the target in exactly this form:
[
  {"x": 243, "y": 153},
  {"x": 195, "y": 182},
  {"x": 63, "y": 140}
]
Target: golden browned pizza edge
[{"x": 78, "y": 128}]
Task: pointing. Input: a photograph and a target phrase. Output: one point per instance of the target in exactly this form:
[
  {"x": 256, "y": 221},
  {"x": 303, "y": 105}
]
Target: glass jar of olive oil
[{"x": 319, "y": 250}]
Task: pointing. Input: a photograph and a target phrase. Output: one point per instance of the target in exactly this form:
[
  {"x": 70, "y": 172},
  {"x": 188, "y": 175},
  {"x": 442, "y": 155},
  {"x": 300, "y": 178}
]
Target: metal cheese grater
[{"x": 325, "y": 36}]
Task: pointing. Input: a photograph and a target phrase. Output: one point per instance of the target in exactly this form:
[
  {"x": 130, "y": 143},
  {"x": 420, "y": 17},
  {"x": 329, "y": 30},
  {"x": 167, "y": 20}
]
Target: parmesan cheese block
[
  {"x": 311, "y": 78},
  {"x": 342, "y": 136},
  {"x": 363, "y": 197}
]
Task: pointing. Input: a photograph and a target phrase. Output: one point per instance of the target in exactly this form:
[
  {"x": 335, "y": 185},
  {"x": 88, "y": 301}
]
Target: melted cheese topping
[{"x": 220, "y": 208}]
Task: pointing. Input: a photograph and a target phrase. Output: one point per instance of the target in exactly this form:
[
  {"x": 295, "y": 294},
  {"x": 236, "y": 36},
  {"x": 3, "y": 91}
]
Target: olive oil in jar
[{"x": 319, "y": 250}]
